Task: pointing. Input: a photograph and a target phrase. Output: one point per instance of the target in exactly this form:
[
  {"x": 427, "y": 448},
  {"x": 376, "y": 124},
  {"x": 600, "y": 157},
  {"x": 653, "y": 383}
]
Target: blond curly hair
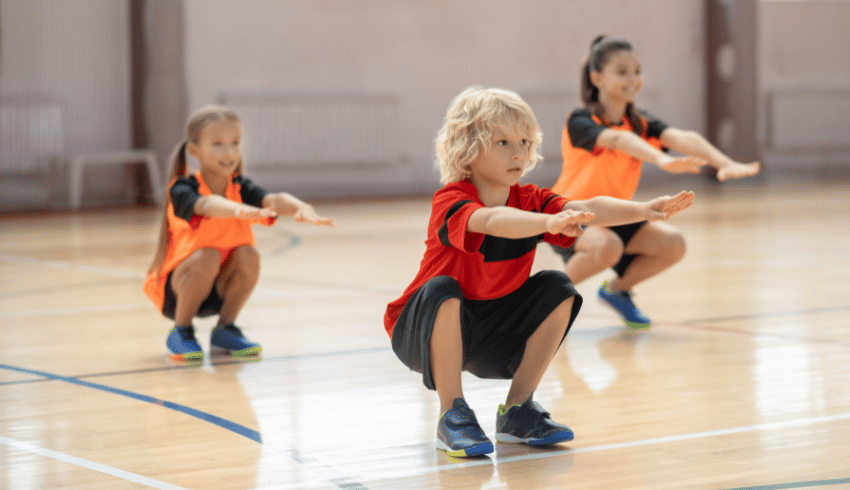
[{"x": 472, "y": 118}]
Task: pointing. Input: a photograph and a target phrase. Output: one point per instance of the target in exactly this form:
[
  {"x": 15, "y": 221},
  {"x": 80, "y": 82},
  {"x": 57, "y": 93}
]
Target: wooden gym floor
[{"x": 743, "y": 380}]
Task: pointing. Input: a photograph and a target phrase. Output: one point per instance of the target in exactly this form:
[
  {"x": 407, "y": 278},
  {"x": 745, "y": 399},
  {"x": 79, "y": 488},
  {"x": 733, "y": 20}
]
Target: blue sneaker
[
  {"x": 622, "y": 302},
  {"x": 231, "y": 339},
  {"x": 529, "y": 423},
  {"x": 183, "y": 345},
  {"x": 459, "y": 434}
]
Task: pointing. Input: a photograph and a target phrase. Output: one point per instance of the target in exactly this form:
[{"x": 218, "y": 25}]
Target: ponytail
[
  {"x": 177, "y": 168},
  {"x": 601, "y": 49},
  {"x": 637, "y": 122}
]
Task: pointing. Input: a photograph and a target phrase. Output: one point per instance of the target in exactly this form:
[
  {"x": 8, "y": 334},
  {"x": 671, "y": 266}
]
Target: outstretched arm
[
  {"x": 289, "y": 205},
  {"x": 609, "y": 211},
  {"x": 634, "y": 145},
  {"x": 693, "y": 143},
  {"x": 216, "y": 206},
  {"x": 507, "y": 222}
]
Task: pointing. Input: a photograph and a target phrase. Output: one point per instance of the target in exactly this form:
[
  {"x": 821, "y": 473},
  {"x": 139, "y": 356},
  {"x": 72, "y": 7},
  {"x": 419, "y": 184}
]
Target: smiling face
[
  {"x": 504, "y": 162},
  {"x": 620, "y": 79},
  {"x": 219, "y": 148}
]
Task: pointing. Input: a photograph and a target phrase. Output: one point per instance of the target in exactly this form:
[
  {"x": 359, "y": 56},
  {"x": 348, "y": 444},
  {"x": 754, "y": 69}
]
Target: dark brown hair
[{"x": 601, "y": 50}]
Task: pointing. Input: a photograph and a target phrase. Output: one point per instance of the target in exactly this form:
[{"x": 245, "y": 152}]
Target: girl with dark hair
[{"x": 603, "y": 147}]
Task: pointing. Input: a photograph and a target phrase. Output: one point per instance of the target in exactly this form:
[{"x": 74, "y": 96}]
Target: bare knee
[
  {"x": 246, "y": 260},
  {"x": 674, "y": 247},
  {"x": 202, "y": 266},
  {"x": 609, "y": 250}
]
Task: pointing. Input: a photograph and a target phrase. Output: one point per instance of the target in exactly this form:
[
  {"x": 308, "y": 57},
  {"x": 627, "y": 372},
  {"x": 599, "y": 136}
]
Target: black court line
[
  {"x": 747, "y": 333},
  {"x": 775, "y": 314},
  {"x": 700, "y": 324},
  {"x": 222, "y": 362},
  {"x": 802, "y": 484},
  {"x": 296, "y": 455},
  {"x": 695, "y": 324}
]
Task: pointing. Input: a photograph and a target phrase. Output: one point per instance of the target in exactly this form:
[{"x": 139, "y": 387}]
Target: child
[
  {"x": 473, "y": 306},
  {"x": 603, "y": 145},
  {"x": 206, "y": 262}
]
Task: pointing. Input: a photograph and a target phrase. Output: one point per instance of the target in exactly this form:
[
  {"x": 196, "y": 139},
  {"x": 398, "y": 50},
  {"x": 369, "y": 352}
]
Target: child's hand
[
  {"x": 568, "y": 222},
  {"x": 681, "y": 165},
  {"x": 306, "y": 214},
  {"x": 661, "y": 208},
  {"x": 244, "y": 211},
  {"x": 736, "y": 170}
]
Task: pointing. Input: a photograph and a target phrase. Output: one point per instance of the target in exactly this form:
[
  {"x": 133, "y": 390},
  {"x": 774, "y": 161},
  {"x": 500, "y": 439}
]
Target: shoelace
[
  {"x": 186, "y": 333},
  {"x": 233, "y": 329},
  {"x": 622, "y": 294}
]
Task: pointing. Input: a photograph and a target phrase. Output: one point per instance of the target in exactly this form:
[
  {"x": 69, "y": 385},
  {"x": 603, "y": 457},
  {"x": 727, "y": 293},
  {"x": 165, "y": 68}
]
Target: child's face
[
  {"x": 219, "y": 149},
  {"x": 620, "y": 79},
  {"x": 504, "y": 163}
]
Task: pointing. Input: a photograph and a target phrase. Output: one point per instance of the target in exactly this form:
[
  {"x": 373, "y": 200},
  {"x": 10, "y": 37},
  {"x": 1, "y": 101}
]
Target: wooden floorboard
[{"x": 743, "y": 380}]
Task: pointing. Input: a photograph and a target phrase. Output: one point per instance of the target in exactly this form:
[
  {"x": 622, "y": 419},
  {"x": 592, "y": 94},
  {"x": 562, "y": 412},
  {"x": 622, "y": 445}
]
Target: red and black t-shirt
[{"x": 485, "y": 266}]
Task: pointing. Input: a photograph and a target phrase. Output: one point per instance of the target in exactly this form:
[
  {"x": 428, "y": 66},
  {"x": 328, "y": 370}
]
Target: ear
[
  {"x": 193, "y": 150},
  {"x": 594, "y": 78}
]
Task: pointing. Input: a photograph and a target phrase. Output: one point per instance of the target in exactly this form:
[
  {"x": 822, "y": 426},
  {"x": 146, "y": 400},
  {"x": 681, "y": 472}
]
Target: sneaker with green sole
[
  {"x": 183, "y": 345},
  {"x": 231, "y": 339},
  {"x": 621, "y": 301}
]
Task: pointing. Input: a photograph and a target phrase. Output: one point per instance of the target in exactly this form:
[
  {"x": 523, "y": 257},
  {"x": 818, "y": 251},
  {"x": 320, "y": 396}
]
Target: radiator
[
  {"x": 31, "y": 135},
  {"x": 318, "y": 130}
]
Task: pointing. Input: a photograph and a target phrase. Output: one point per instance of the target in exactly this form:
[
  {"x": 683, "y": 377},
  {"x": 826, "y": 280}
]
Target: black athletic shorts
[
  {"x": 625, "y": 232},
  {"x": 209, "y": 307},
  {"x": 494, "y": 331}
]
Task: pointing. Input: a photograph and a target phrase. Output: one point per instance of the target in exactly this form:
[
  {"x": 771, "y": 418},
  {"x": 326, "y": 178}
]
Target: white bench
[{"x": 79, "y": 162}]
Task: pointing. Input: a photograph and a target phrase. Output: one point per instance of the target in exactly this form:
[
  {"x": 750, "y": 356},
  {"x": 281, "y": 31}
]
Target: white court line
[
  {"x": 605, "y": 447},
  {"x": 124, "y": 475}
]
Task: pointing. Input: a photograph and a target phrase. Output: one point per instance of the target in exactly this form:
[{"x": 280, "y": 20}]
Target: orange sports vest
[
  {"x": 602, "y": 172},
  {"x": 201, "y": 232}
]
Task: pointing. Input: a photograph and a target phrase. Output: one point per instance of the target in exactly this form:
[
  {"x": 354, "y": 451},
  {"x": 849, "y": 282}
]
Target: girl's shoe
[
  {"x": 230, "y": 338},
  {"x": 183, "y": 345},
  {"x": 621, "y": 301}
]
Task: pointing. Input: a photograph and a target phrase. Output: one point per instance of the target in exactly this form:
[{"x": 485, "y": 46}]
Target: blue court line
[
  {"x": 207, "y": 417},
  {"x": 384, "y": 349},
  {"x": 294, "y": 454},
  {"x": 315, "y": 355},
  {"x": 802, "y": 484}
]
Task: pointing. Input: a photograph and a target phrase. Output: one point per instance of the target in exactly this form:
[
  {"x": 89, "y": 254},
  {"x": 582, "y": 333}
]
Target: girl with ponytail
[
  {"x": 205, "y": 263},
  {"x": 603, "y": 146}
]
